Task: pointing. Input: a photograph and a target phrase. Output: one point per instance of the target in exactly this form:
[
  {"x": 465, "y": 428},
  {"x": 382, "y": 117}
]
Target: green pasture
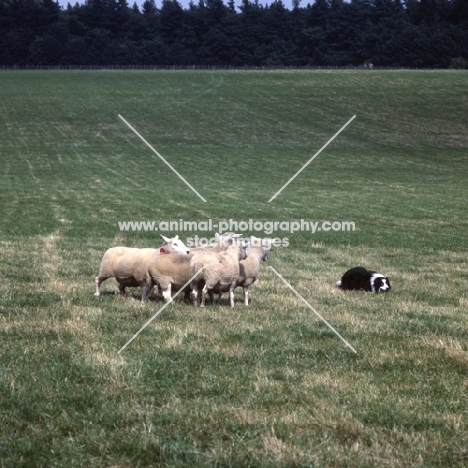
[{"x": 268, "y": 385}]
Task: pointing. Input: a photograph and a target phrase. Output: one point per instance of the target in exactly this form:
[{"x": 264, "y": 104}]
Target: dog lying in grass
[{"x": 360, "y": 279}]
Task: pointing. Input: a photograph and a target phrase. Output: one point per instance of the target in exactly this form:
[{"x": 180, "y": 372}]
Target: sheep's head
[
  {"x": 243, "y": 250},
  {"x": 174, "y": 245},
  {"x": 226, "y": 239},
  {"x": 265, "y": 244}
]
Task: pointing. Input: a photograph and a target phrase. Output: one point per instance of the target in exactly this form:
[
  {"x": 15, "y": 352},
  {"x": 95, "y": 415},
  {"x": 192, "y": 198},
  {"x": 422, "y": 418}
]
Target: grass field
[{"x": 267, "y": 385}]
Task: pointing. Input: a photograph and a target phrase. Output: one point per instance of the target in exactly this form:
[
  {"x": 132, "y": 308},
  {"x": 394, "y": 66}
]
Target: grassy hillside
[{"x": 267, "y": 385}]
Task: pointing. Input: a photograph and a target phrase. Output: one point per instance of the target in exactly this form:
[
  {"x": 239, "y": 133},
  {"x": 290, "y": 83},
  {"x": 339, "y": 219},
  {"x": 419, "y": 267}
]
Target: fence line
[{"x": 198, "y": 67}]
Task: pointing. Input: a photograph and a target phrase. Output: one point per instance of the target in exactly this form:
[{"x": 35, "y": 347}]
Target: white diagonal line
[
  {"x": 312, "y": 158},
  {"x": 310, "y": 307},
  {"x": 159, "y": 311},
  {"x": 162, "y": 159}
]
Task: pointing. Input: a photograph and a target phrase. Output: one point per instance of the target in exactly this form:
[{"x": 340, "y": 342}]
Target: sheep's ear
[
  {"x": 216, "y": 236},
  {"x": 176, "y": 237},
  {"x": 166, "y": 239}
]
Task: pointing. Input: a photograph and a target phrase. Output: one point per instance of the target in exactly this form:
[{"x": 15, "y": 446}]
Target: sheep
[
  {"x": 249, "y": 268},
  {"x": 216, "y": 270},
  {"x": 168, "y": 272},
  {"x": 171, "y": 272},
  {"x": 128, "y": 265}
]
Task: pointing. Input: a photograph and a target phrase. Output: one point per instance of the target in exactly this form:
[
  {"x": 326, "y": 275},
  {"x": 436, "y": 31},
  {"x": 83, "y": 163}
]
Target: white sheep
[
  {"x": 168, "y": 272},
  {"x": 171, "y": 272},
  {"x": 216, "y": 270},
  {"x": 128, "y": 265},
  {"x": 249, "y": 268}
]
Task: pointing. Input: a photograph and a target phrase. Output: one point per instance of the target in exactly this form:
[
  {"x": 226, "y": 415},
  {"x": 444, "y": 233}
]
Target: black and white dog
[{"x": 360, "y": 279}]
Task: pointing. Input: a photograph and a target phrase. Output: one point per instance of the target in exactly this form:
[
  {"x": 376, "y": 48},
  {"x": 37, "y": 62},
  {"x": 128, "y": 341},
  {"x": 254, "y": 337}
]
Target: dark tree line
[{"x": 407, "y": 33}]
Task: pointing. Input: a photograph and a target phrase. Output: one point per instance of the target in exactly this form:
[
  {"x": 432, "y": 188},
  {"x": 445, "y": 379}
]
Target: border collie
[{"x": 360, "y": 279}]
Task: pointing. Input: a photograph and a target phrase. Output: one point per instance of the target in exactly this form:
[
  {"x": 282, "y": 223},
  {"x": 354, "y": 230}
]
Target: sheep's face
[
  {"x": 174, "y": 245},
  {"x": 258, "y": 242},
  {"x": 226, "y": 239}
]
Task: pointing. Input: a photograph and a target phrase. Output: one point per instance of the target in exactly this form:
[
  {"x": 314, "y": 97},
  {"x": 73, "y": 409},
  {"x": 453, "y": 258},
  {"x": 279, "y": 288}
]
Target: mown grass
[{"x": 265, "y": 386}]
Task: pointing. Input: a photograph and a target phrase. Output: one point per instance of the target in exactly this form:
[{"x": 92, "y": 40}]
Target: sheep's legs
[
  {"x": 246, "y": 296},
  {"x": 211, "y": 294},
  {"x": 167, "y": 293},
  {"x": 144, "y": 292},
  {"x": 198, "y": 297},
  {"x": 231, "y": 295},
  {"x": 194, "y": 288},
  {"x": 122, "y": 289},
  {"x": 97, "y": 283},
  {"x": 187, "y": 296},
  {"x": 204, "y": 291},
  {"x": 212, "y": 298}
]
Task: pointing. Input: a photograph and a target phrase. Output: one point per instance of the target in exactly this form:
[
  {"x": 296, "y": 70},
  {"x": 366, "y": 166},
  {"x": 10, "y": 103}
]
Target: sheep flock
[{"x": 228, "y": 263}]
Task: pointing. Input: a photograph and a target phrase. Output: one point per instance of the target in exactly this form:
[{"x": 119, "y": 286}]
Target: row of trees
[{"x": 408, "y": 33}]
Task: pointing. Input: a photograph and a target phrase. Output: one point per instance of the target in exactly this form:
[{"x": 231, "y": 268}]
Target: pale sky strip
[
  {"x": 310, "y": 307},
  {"x": 162, "y": 159},
  {"x": 312, "y": 158},
  {"x": 159, "y": 311}
]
